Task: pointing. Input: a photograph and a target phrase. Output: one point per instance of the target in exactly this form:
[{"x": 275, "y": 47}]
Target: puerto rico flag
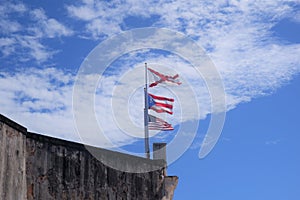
[
  {"x": 160, "y": 104},
  {"x": 156, "y": 123},
  {"x": 160, "y": 78}
]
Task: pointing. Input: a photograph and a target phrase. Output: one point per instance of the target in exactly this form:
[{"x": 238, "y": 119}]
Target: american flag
[{"x": 156, "y": 123}]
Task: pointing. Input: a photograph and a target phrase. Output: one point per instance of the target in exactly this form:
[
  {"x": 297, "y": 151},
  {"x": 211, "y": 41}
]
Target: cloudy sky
[{"x": 253, "y": 45}]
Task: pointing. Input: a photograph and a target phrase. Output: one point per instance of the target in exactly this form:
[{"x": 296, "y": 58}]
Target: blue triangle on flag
[{"x": 151, "y": 101}]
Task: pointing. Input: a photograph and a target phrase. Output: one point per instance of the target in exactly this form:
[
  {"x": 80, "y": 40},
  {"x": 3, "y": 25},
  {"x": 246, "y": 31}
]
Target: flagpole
[{"x": 146, "y": 115}]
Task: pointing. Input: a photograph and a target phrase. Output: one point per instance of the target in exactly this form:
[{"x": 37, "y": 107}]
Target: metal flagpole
[{"x": 146, "y": 117}]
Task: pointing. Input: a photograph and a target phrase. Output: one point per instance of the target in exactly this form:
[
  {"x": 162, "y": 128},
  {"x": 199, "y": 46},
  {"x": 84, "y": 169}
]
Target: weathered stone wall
[
  {"x": 12, "y": 160},
  {"x": 34, "y": 166},
  {"x": 57, "y": 169}
]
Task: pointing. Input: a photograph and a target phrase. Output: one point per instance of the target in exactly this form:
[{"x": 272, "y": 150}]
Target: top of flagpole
[
  {"x": 146, "y": 85},
  {"x": 146, "y": 77}
]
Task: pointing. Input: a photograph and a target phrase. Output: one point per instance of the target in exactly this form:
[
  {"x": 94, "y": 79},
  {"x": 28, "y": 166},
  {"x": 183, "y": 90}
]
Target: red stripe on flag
[
  {"x": 156, "y": 123},
  {"x": 164, "y": 105},
  {"x": 159, "y": 110},
  {"x": 161, "y": 98}
]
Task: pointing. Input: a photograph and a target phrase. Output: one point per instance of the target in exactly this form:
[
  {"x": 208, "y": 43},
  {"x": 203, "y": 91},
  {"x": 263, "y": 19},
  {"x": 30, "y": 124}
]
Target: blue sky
[
  {"x": 256, "y": 157},
  {"x": 254, "y": 45}
]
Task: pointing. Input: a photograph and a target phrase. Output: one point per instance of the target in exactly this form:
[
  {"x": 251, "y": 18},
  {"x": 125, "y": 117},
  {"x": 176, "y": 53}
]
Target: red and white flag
[
  {"x": 161, "y": 78},
  {"x": 156, "y": 123},
  {"x": 160, "y": 104}
]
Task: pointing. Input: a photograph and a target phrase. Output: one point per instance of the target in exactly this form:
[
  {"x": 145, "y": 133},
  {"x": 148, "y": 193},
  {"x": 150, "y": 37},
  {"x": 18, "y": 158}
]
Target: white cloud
[
  {"x": 37, "y": 50},
  {"x": 17, "y": 36},
  {"x": 9, "y": 27},
  {"x": 296, "y": 17},
  {"x": 101, "y": 27},
  {"x": 98, "y": 15},
  {"x": 236, "y": 34},
  {"x": 105, "y": 18},
  {"x": 40, "y": 99},
  {"x": 7, "y": 45},
  {"x": 48, "y": 27},
  {"x": 86, "y": 12},
  {"x": 272, "y": 142}
]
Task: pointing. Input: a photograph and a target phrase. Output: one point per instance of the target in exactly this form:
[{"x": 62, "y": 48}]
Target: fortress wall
[{"x": 34, "y": 166}]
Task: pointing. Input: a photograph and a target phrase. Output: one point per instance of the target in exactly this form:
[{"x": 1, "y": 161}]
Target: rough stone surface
[
  {"x": 170, "y": 184},
  {"x": 12, "y": 160},
  {"x": 34, "y": 166}
]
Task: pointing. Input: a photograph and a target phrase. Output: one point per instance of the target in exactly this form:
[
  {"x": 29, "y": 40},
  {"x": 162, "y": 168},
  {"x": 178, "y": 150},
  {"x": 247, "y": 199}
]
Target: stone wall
[
  {"x": 12, "y": 160},
  {"x": 34, "y": 166}
]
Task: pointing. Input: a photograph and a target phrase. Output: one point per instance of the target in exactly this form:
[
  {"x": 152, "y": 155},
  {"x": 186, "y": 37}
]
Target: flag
[
  {"x": 156, "y": 123},
  {"x": 160, "y": 78},
  {"x": 160, "y": 104}
]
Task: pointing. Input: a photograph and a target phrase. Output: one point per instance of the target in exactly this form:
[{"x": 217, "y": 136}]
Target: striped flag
[
  {"x": 161, "y": 78},
  {"x": 160, "y": 104},
  {"x": 156, "y": 123}
]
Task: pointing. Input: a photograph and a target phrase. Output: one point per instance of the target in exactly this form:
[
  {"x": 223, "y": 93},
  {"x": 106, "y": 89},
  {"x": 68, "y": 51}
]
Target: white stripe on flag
[
  {"x": 160, "y": 104},
  {"x": 156, "y": 123}
]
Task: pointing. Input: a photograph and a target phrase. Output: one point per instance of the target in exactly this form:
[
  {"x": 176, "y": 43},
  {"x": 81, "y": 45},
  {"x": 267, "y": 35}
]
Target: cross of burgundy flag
[{"x": 160, "y": 78}]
